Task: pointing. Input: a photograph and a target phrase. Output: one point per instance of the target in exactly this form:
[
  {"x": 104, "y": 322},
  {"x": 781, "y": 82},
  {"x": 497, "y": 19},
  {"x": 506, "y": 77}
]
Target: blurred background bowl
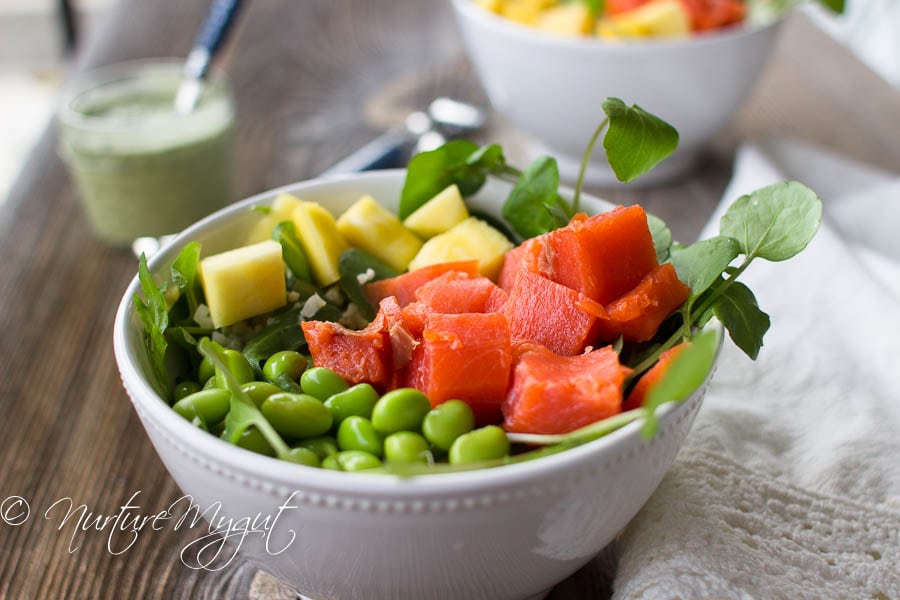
[
  {"x": 552, "y": 86},
  {"x": 510, "y": 532}
]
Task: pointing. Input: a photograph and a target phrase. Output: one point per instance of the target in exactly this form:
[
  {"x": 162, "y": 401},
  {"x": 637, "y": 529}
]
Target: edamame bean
[
  {"x": 406, "y": 447},
  {"x": 284, "y": 369},
  {"x": 211, "y": 384},
  {"x": 358, "y": 433},
  {"x": 487, "y": 443},
  {"x": 400, "y": 410},
  {"x": 206, "y": 370},
  {"x": 185, "y": 389},
  {"x": 296, "y": 415},
  {"x": 210, "y": 406},
  {"x": 259, "y": 391},
  {"x": 323, "y": 445},
  {"x": 303, "y": 456},
  {"x": 357, "y": 460},
  {"x": 331, "y": 463},
  {"x": 446, "y": 422},
  {"x": 322, "y": 383},
  {"x": 251, "y": 439},
  {"x": 238, "y": 366},
  {"x": 358, "y": 400}
]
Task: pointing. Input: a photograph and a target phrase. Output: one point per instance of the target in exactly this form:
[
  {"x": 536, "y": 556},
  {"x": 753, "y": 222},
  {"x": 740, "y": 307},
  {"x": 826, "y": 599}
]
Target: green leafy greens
[{"x": 154, "y": 314}]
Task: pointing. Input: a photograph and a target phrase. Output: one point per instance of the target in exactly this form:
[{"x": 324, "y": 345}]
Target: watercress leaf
[
  {"x": 282, "y": 333},
  {"x": 738, "y": 311},
  {"x": 489, "y": 157},
  {"x": 243, "y": 413},
  {"x": 291, "y": 251},
  {"x": 184, "y": 275},
  {"x": 701, "y": 264},
  {"x": 357, "y": 268},
  {"x": 526, "y": 207},
  {"x": 153, "y": 312},
  {"x": 775, "y": 222},
  {"x": 428, "y": 173},
  {"x": 662, "y": 237},
  {"x": 636, "y": 140},
  {"x": 686, "y": 373}
]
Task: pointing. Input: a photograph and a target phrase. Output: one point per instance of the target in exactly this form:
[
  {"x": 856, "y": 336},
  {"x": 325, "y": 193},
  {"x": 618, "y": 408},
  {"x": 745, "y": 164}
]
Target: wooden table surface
[{"x": 314, "y": 80}]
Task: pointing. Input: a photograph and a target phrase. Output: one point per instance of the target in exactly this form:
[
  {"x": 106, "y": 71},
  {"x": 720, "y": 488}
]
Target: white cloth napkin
[{"x": 789, "y": 483}]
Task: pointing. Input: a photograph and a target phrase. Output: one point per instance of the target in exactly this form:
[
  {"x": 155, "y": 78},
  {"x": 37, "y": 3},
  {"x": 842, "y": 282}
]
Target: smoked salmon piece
[
  {"x": 404, "y": 286},
  {"x": 637, "y": 314},
  {"x": 553, "y": 394},
  {"x": 551, "y": 314},
  {"x": 464, "y": 357},
  {"x": 454, "y": 292},
  {"x": 523, "y": 257},
  {"x": 603, "y": 256}
]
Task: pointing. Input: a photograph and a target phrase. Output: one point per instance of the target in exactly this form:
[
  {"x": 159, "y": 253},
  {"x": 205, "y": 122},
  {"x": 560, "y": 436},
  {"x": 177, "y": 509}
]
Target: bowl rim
[
  {"x": 148, "y": 403},
  {"x": 511, "y": 29}
]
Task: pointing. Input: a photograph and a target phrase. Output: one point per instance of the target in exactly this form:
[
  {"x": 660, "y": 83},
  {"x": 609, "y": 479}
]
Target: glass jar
[{"x": 141, "y": 168}]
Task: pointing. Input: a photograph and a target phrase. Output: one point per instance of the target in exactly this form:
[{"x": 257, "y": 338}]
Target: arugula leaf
[
  {"x": 529, "y": 206},
  {"x": 636, "y": 140},
  {"x": 154, "y": 314},
  {"x": 353, "y": 264},
  {"x": 291, "y": 250},
  {"x": 701, "y": 264},
  {"x": 184, "y": 275},
  {"x": 685, "y": 374},
  {"x": 738, "y": 311},
  {"x": 283, "y": 333},
  {"x": 429, "y": 173},
  {"x": 662, "y": 237},
  {"x": 775, "y": 222},
  {"x": 243, "y": 413}
]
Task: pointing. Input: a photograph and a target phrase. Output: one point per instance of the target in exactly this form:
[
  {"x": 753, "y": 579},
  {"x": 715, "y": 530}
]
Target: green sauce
[{"x": 141, "y": 168}]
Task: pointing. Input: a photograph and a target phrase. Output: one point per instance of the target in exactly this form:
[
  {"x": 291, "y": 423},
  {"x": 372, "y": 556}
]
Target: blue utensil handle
[{"x": 218, "y": 21}]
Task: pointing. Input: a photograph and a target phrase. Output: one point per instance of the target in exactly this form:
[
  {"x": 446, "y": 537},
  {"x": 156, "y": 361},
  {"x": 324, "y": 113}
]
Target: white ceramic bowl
[
  {"x": 509, "y": 532},
  {"x": 552, "y": 86}
]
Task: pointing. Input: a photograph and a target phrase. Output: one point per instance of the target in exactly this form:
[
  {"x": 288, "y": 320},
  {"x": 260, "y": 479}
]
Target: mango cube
[
  {"x": 471, "y": 239},
  {"x": 282, "y": 210},
  {"x": 439, "y": 214},
  {"x": 572, "y": 19},
  {"x": 321, "y": 240},
  {"x": 371, "y": 227},
  {"x": 244, "y": 282}
]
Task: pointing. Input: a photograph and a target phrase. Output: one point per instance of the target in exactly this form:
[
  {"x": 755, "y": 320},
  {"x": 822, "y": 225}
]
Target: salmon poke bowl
[{"x": 404, "y": 385}]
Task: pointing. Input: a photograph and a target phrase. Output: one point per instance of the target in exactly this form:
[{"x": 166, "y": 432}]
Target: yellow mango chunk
[
  {"x": 439, "y": 214},
  {"x": 526, "y": 12},
  {"x": 371, "y": 227},
  {"x": 244, "y": 282},
  {"x": 571, "y": 19},
  {"x": 471, "y": 239},
  {"x": 282, "y": 210},
  {"x": 660, "y": 18},
  {"x": 321, "y": 240}
]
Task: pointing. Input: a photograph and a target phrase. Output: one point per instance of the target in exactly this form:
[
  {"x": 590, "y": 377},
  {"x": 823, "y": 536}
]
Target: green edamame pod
[
  {"x": 303, "y": 456},
  {"x": 210, "y": 406},
  {"x": 322, "y": 383},
  {"x": 296, "y": 415},
  {"x": 323, "y": 445},
  {"x": 446, "y": 422},
  {"x": 284, "y": 370},
  {"x": 406, "y": 447},
  {"x": 206, "y": 370},
  {"x": 357, "y": 460},
  {"x": 331, "y": 463},
  {"x": 358, "y": 401},
  {"x": 400, "y": 410},
  {"x": 251, "y": 439},
  {"x": 358, "y": 433},
  {"x": 185, "y": 389},
  {"x": 259, "y": 391},
  {"x": 237, "y": 365},
  {"x": 487, "y": 443}
]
